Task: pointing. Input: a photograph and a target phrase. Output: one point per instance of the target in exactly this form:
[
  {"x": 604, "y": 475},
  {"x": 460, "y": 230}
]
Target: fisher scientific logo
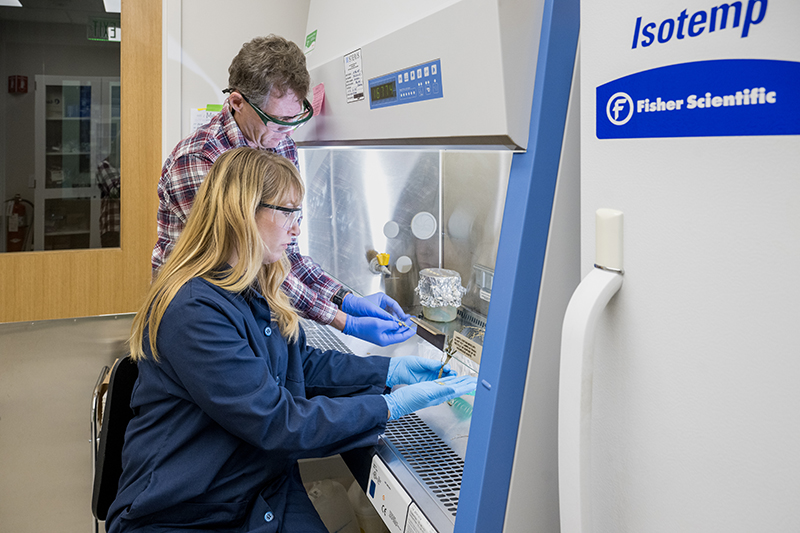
[
  {"x": 617, "y": 104},
  {"x": 702, "y": 99}
]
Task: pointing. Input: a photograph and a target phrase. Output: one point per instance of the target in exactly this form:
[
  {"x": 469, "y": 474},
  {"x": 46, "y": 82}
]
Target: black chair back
[{"x": 117, "y": 413}]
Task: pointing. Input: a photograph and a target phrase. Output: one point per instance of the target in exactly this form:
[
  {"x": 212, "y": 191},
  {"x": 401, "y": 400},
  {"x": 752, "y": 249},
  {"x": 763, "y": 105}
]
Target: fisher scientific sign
[{"x": 702, "y": 99}]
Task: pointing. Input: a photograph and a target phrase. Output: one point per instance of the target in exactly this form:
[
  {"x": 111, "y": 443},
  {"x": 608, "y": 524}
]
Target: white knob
[
  {"x": 403, "y": 264},
  {"x": 391, "y": 229},
  {"x": 423, "y": 225}
]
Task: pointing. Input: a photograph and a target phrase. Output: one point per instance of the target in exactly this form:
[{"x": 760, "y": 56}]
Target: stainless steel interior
[{"x": 351, "y": 195}]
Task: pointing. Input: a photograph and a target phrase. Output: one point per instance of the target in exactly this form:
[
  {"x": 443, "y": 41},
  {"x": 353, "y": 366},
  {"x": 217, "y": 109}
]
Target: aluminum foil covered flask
[{"x": 440, "y": 293}]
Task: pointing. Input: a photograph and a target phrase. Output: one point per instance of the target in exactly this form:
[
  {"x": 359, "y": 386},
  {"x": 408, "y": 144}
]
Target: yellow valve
[{"x": 383, "y": 259}]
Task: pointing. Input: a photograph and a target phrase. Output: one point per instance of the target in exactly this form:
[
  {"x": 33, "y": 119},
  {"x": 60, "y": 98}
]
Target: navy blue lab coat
[{"x": 224, "y": 415}]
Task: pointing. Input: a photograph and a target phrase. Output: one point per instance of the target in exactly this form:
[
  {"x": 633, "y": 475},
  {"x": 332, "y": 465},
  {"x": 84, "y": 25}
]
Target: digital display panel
[
  {"x": 383, "y": 91},
  {"x": 405, "y": 86}
]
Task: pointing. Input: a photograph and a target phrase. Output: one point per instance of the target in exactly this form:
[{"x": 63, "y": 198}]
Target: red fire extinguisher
[{"x": 18, "y": 226}]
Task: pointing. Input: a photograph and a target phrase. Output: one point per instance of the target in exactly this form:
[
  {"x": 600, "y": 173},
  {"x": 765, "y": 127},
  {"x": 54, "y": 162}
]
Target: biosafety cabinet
[{"x": 446, "y": 135}]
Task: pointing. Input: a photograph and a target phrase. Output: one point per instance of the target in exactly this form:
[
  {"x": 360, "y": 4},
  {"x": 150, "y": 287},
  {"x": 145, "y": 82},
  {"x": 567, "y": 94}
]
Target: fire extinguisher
[{"x": 18, "y": 226}]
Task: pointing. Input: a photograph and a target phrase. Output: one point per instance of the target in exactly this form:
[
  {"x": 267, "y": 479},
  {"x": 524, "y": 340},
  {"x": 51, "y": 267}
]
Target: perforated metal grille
[
  {"x": 321, "y": 337},
  {"x": 433, "y": 460},
  {"x": 428, "y": 455},
  {"x": 471, "y": 318}
]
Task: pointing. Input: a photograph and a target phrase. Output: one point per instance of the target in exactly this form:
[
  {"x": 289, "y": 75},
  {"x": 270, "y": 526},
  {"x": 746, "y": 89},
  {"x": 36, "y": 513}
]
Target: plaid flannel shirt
[
  {"x": 309, "y": 288},
  {"x": 108, "y": 182}
]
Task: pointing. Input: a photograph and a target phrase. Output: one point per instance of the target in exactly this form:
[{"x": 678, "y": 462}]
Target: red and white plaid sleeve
[{"x": 309, "y": 288}]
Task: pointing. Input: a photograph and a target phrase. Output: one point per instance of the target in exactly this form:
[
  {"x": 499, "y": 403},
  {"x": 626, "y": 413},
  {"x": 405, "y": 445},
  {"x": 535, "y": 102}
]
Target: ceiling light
[
  {"x": 10, "y": 3},
  {"x": 112, "y": 6}
]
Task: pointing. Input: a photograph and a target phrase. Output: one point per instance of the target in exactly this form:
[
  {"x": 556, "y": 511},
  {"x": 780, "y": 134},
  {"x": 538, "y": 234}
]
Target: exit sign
[{"x": 103, "y": 30}]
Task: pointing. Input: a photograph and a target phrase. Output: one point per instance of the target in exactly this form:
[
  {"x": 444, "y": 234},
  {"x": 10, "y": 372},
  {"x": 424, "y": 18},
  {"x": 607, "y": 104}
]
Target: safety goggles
[
  {"x": 285, "y": 217},
  {"x": 284, "y": 123}
]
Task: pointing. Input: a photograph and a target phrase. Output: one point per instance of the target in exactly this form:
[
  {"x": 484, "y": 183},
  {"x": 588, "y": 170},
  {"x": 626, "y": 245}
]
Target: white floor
[{"x": 48, "y": 370}]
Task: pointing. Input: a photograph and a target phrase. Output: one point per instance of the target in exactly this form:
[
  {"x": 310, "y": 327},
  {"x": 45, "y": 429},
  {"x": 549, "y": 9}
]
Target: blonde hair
[{"x": 222, "y": 222}]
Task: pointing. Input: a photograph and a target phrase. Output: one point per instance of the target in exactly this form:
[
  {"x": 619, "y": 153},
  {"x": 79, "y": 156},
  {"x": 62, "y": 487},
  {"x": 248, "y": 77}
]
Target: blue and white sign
[
  {"x": 702, "y": 99},
  {"x": 413, "y": 84}
]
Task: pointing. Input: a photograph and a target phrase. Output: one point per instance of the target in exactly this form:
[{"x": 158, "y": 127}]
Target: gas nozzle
[{"x": 379, "y": 263}]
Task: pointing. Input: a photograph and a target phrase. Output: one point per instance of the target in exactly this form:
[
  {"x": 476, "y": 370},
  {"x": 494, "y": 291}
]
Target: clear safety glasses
[
  {"x": 285, "y": 217},
  {"x": 284, "y": 123}
]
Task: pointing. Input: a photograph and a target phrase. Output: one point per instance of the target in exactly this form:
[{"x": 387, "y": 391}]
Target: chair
[{"x": 111, "y": 413}]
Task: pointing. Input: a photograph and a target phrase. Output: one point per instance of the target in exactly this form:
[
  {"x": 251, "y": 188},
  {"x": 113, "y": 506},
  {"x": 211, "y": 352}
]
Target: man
[{"x": 267, "y": 82}]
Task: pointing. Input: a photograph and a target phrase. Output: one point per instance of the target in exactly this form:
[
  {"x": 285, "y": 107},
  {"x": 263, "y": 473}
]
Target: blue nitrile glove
[
  {"x": 408, "y": 399},
  {"x": 377, "y": 330},
  {"x": 386, "y": 303},
  {"x": 377, "y": 305},
  {"x": 409, "y": 369}
]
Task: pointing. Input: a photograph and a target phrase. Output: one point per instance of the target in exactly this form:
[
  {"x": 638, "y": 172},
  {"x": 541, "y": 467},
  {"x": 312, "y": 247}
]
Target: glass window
[{"x": 59, "y": 125}]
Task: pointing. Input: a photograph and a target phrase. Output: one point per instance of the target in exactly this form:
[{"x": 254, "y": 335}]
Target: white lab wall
[
  {"x": 201, "y": 37},
  {"x": 696, "y": 372}
]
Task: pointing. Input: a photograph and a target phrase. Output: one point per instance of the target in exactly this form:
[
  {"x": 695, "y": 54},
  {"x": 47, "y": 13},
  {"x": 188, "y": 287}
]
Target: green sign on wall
[{"x": 103, "y": 30}]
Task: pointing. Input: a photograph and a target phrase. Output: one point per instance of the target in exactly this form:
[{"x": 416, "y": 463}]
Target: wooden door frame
[{"x": 75, "y": 283}]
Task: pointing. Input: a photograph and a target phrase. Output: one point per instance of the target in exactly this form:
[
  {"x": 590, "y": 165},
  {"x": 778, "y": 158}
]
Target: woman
[{"x": 229, "y": 396}]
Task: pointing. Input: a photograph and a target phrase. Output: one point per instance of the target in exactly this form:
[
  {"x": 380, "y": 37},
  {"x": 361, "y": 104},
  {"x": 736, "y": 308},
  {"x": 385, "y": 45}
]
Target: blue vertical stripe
[{"x": 518, "y": 274}]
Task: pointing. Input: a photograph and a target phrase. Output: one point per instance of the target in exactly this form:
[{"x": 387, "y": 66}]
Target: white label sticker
[
  {"x": 353, "y": 77},
  {"x": 467, "y": 347},
  {"x": 200, "y": 117},
  {"x": 388, "y": 496},
  {"x": 417, "y": 523}
]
